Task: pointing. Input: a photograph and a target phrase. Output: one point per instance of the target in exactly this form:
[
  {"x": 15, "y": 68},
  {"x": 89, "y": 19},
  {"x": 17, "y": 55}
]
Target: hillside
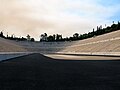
[
  {"x": 109, "y": 42},
  {"x": 104, "y": 43},
  {"x": 10, "y": 46}
]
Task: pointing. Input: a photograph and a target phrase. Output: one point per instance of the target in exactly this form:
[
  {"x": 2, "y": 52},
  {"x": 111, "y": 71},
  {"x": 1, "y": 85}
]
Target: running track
[{"x": 37, "y": 72}]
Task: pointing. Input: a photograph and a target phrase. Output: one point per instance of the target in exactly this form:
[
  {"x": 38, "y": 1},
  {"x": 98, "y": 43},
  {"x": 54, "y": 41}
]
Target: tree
[
  {"x": 50, "y": 38},
  {"x": 28, "y": 37},
  {"x": 75, "y": 36},
  {"x": 43, "y": 37},
  {"x": 58, "y": 37},
  {"x": 32, "y": 40},
  {"x": 54, "y": 37},
  {"x": 1, "y": 34}
]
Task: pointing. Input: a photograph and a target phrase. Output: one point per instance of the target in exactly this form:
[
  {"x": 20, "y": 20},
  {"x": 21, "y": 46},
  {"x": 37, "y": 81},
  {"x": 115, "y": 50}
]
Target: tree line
[
  {"x": 99, "y": 31},
  {"x": 58, "y": 37},
  {"x": 13, "y": 37}
]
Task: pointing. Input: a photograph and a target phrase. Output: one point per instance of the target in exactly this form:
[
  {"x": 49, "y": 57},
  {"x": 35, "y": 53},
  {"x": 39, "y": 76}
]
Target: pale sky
[{"x": 66, "y": 17}]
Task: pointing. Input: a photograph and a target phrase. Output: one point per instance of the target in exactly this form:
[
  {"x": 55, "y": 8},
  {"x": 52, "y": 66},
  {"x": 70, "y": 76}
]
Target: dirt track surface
[{"x": 37, "y": 72}]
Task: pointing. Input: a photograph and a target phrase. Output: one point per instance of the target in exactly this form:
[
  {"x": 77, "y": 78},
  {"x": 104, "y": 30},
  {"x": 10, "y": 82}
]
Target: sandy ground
[{"x": 37, "y": 72}]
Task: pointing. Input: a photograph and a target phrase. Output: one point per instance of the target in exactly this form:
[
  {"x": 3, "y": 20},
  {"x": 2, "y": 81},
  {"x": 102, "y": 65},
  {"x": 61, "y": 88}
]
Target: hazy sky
[{"x": 66, "y": 17}]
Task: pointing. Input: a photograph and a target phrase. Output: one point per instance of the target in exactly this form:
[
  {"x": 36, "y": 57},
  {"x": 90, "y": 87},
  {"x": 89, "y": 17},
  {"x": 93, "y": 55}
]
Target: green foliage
[
  {"x": 1, "y": 34},
  {"x": 51, "y": 38},
  {"x": 77, "y": 36},
  {"x": 32, "y": 39},
  {"x": 12, "y": 37}
]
